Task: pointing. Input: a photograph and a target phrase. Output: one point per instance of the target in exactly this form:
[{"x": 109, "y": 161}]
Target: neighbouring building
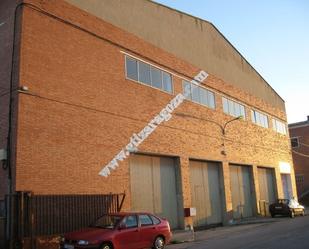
[
  {"x": 299, "y": 133},
  {"x": 87, "y": 75}
]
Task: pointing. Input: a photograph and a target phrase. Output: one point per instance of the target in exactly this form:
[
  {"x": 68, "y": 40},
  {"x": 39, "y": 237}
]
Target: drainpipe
[{"x": 8, "y": 166}]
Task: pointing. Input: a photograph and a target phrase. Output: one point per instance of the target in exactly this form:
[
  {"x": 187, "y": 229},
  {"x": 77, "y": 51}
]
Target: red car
[{"x": 121, "y": 231}]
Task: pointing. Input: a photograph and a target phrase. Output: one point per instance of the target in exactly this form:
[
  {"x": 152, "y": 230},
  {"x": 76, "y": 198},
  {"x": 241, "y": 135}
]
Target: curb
[{"x": 187, "y": 234}]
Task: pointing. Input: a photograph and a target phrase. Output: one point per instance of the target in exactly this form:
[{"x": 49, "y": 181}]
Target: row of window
[
  {"x": 232, "y": 108},
  {"x": 262, "y": 120},
  {"x": 199, "y": 94},
  {"x": 279, "y": 126},
  {"x": 147, "y": 74},
  {"x": 259, "y": 118}
]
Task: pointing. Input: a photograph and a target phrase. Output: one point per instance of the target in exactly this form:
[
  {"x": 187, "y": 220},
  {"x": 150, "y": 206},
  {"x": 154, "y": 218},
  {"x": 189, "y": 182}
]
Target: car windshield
[{"x": 107, "y": 221}]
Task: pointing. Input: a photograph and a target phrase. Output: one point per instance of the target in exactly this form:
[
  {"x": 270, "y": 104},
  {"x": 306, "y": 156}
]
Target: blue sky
[{"x": 272, "y": 35}]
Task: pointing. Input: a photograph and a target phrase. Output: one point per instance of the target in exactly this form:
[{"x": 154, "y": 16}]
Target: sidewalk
[{"x": 181, "y": 236}]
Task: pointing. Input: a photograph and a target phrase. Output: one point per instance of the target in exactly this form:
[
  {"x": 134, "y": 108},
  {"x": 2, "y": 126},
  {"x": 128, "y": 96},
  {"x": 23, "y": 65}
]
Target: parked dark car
[
  {"x": 288, "y": 207},
  {"x": 121, "y": 231}
]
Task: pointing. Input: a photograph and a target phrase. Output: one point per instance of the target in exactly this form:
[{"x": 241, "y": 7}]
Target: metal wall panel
[
  {"x": 153, "y": 186},
  {"x": 242, "y": 200},
  {"x": 206, "y": 193}
]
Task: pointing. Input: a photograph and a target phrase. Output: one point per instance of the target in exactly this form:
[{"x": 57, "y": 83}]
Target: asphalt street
[{"x": 285, "y": 233}]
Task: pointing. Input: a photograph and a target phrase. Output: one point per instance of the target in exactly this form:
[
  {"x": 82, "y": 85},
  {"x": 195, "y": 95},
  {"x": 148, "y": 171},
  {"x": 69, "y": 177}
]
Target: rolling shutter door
[
  {"x": 153, "y": 186},
  {"x": 206, "y": 193},
  {"x": 242, "y": 200}
]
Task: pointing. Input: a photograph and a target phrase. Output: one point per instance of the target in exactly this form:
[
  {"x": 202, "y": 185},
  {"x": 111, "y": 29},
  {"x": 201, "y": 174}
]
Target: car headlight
[{"x": 83, "y": 242}]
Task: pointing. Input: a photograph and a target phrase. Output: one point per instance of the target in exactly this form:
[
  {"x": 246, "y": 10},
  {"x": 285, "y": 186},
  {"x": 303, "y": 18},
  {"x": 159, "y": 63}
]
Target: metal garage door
[
  {"x": 153, "y": 186},
  {"x": 206, "y": 192},
  {"x": 266, "y": 187},
  {"x": 286, "y": 186},
  {"x": 241, "y": 189}
]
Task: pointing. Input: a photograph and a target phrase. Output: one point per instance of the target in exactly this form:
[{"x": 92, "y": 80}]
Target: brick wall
[
  {"x": 301, "y": 161},
  {"x": 80, "y": 110}
]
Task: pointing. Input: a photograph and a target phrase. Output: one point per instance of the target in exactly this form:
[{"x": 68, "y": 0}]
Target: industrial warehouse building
[{"x": 87, "y": 75}]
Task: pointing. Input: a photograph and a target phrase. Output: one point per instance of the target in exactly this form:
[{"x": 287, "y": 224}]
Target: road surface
[{"x": 285, "y": 233}]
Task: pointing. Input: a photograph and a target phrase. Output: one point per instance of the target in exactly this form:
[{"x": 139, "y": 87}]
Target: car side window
[
  {"x": 155, "y": 220},
  {"x": 130, "y": 221},
  {"x": 145, "y": 220}
]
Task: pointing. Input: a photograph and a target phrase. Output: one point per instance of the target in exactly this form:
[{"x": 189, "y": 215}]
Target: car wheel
[
  {"x": 158, "y": 243},
  {"x": 292, "y": 214},
  {"x": 272, "y": 215},
  {"x": 106, "y": 246}
]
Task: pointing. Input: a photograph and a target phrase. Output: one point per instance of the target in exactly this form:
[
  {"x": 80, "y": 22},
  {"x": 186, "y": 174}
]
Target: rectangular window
[
  {"x": 195, "y": 93},
  {"x": 300, "y": 179},
  {"x": 131, "y": 67},
  {"x": 259, "y": 118},
  {"x": 148, "y": 74},
  {"x": 242, "y": 111},
  {"x": 233, "y": 108},
  {"x": 279, "y": 126},
  {"x": 211, "y": 99},
  {"x": 198, "y": 94},
  {"x": 203, "y": 96},
  {"x": 186, "y": 86},
  {"x": 144, "y": 73},
  {"x": 225, "y": 105},
  {"x": 156, "y": 77},
  {"x": 294, "y": 142},
  {"x": 167, "y": 82}
]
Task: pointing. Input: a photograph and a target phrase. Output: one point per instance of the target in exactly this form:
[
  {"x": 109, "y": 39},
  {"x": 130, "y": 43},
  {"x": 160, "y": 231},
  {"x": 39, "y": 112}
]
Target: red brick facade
[
  {"x": 300, "y": 131},
  {"x": 80, "y": 110}
]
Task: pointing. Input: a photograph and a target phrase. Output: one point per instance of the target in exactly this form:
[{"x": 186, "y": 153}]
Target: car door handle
[{"x": 135, "y": 230}]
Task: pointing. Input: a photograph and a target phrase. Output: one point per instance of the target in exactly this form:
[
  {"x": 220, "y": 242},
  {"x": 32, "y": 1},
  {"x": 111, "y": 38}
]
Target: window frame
[
  {"x": 234, "y": 108},
  {"x": 154, "y": 218},
  {"x": 297, "y": 139},
  {"x": 172, "y": 84},
  {"x": 137, "y": 221},
  {"x": 145, "y": 225},
  {"x": 196, "y": 94},
  {"x": 259, "y": 116},
  {"x": 151, "y": 66},
  {"x": 139, "y": 80},
  {"x": 126, "y": 68},
  {"x": 151, "y": 77},
  {"x": 208, "y": 92},
  {"x": 278, "y": 125}
]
